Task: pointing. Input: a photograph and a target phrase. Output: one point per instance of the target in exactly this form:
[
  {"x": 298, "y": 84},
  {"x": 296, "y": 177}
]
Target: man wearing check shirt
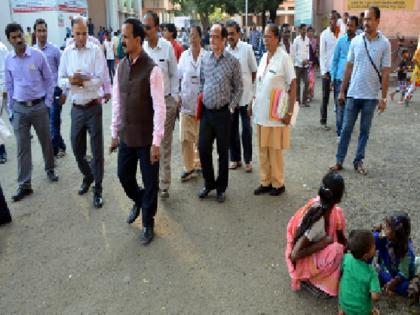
[
  {"x": 30, "y": 87},
  {"x": 81, "y": 71},
  {"x": 162, "y": 53}
]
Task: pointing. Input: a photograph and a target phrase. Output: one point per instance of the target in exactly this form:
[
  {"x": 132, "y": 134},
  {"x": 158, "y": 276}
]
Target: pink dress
[{"x": 322, "y": 269}]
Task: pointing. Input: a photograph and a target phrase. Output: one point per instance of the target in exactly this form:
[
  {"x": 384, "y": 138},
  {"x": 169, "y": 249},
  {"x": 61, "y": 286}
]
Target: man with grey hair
[
  {"x": 81, "y": 71},
  {"x": 221, "y": 84}
]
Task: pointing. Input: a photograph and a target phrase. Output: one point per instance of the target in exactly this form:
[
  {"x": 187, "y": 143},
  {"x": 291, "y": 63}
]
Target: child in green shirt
[{"x": 359, "y": 283}]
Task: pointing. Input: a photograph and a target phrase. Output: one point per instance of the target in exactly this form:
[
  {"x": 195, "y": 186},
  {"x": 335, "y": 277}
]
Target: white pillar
[{"x": 112, "y": 18}]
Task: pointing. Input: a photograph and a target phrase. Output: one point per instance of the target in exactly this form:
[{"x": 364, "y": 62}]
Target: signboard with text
[
  {"x": 28, "y": 6},
  {"x": 25, "y": 6},
  {"x": 382, "y": 4}
]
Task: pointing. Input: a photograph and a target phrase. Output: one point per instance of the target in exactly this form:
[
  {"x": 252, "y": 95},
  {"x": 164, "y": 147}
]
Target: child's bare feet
[{"x": 375, "y": 311}]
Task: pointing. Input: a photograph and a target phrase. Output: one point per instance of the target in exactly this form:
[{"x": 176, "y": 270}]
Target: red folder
[{"x": 200, "y": 105}]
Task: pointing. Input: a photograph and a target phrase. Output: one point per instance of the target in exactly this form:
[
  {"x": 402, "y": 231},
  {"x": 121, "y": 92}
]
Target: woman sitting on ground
[{"x": 316, "y": 240}]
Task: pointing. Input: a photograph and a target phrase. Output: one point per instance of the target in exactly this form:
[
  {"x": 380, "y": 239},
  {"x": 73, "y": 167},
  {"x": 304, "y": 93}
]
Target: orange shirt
[{"x": 177, "y": 49}]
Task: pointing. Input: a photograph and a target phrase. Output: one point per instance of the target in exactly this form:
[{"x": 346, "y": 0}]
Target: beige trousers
[
  {"x": 166, "y": 145},
  {"x": 271, "y": 143},
  {"x": 189, "y": 136}
]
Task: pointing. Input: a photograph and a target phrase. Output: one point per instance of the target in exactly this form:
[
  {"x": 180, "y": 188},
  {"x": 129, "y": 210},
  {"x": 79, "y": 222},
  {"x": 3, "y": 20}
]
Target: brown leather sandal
[{"x": 336, "y": 167}]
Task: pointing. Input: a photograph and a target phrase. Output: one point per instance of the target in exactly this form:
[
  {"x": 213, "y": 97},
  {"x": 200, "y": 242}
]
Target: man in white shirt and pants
[
  {"x": 81, "y": 71},
  {"x": 327, "y": 44},
  {"x": 301, "y": 62},
  {"x": 161, "y": 51},
  {"x": 245, "y": 54},
  {"x": 328, "y": 41}
]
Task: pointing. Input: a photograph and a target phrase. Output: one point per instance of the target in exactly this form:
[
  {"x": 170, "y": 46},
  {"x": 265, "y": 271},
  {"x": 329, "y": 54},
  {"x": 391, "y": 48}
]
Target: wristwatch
[
  {"x": 385, "y": 99},
  {"x": 289, "y": 113}
]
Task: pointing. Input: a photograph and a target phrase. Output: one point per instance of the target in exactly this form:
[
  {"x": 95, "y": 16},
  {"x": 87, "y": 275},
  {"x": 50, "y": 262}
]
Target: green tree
[
  {"x": 260, "y": 6},
  {"x": 203, "y": 7}
]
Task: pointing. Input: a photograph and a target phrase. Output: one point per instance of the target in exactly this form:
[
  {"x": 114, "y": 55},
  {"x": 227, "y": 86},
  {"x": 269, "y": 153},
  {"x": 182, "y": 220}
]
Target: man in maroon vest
[{"x": 138, "y": 118}]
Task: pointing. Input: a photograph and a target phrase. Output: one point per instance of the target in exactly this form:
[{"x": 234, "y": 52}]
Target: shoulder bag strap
[{"x": 371, "y": 61}]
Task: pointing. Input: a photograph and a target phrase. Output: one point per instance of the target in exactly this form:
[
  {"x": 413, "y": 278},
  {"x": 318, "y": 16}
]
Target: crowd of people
[{"x": 159, "y": 79}]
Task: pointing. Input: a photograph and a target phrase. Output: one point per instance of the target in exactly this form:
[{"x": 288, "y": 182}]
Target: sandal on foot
[
  {"x": 336, "y": 167},
  {"x": 235, "y": 165},
  {"x": 359, "y": 168}
]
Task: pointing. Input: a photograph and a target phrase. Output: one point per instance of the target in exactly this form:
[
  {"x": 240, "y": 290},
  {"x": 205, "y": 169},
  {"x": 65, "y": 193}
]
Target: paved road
[{"x": 62, "y": 256}]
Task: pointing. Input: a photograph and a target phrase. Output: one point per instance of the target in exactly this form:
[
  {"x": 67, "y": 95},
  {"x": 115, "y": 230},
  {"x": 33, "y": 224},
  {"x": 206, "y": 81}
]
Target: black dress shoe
[
  {"x": 204, "y": 192},
  {"x": 262, "y": 190},
  {"x": 51, "y": 176},
  {"x": 134, "y": 213},
  {"x": 3, "y": 158},
  {"x": 221, "y": 197},
  {"x": 22, "y": 193},
  {"x": 84, "y": 188},
  {"x": 277, "y": 191},
  {"x": 97, "y": 200},
  {"x": 147, "y": 235},
  {"x": 5, "y": 219}
]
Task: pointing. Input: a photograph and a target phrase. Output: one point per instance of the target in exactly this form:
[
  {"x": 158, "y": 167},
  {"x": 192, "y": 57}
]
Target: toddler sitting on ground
[{"x": 359, "y": 283}]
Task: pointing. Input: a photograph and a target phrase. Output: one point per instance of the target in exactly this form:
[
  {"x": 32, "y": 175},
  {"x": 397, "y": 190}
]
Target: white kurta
[{"x": 278, "y": 74}]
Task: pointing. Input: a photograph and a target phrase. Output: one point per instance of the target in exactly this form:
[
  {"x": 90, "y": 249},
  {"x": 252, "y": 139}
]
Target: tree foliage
[{"x": 206, "y": 7}]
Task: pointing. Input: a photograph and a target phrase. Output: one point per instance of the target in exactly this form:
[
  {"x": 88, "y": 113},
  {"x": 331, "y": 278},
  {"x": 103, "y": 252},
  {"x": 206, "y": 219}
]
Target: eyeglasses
[{"x": 147, "y": 27}]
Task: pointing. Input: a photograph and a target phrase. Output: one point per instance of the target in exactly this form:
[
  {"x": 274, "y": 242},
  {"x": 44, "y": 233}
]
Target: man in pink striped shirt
[{"x": 138, "y": 119}]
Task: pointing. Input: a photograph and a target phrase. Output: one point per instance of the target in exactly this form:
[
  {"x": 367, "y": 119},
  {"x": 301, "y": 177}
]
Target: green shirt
[{"x": 358, "y": 281}]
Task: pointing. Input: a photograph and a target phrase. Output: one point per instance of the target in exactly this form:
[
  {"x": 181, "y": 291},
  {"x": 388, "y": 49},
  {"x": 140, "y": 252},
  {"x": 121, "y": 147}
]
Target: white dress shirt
[
  {"x": 189, "y": 74},
  {"x": 89, "y": 60},
  {"x": 327, "y": 44},
  {"x": 3, "y": 54},
  {"x": 300, "y": 51},
  {"x": 163, "y": 55},
  {"x": 245, "y": 54}
]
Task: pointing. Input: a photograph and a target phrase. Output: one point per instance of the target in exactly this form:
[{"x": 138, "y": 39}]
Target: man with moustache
[
  {"x": 53, "y": 55},
  {"x": 244, "y": 53},
  {"x": 221, "y": 84},
  {"x": 368, "y": 65},
  {"x": 81, "y": 71},
  {"x": 338, "y": 66},
  {"x": 30, "y": 87},
  {"x": 138, "y": 119},
  {"x": 162, "y": 53}
]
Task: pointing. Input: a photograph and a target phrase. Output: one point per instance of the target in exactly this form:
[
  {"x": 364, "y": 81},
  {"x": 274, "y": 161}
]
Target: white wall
[{"x": 5, "y": 18}]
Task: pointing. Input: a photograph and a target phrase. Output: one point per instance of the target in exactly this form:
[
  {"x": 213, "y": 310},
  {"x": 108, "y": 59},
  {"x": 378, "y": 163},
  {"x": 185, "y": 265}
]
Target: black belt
[
  {"x": 216, "y": 109},
  {"x": 31, "y": 103},
  {"x": 87, "y": 105}
]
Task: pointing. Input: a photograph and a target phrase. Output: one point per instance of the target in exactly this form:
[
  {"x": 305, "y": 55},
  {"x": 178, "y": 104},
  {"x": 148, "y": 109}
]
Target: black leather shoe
[
  {"x": 147, "y": 235},
  {"x": 134, "y": 213},
  {"x": 204, "y": 192},
  {"x": 97, "y": 200},
  {"x": 5, "y": 219},
  {"x": 22, "y": 193},
  {"x": 221, "y": 197},
  {"x": 51, "y": 176},
  {"x": 277, "y": 191},
  {"x": 3, "y": 158},
  {"x": 262, "y": 190},
  {"x": 84, "y": 188}
]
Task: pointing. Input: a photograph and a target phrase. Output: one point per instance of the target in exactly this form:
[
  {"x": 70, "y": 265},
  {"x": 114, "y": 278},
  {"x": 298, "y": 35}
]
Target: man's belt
[
  {"x": 87, "y": 105},
  {"x": 224, "y": 107},
  {"x": 32, "y": 102}
]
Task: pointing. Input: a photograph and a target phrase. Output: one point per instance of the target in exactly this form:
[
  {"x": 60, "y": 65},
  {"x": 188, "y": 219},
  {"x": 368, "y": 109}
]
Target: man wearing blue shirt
[
  {"x": 369, "y": 65},
  {"x": 53, "y": 55},
  {"x": 338, "y": 66}
]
